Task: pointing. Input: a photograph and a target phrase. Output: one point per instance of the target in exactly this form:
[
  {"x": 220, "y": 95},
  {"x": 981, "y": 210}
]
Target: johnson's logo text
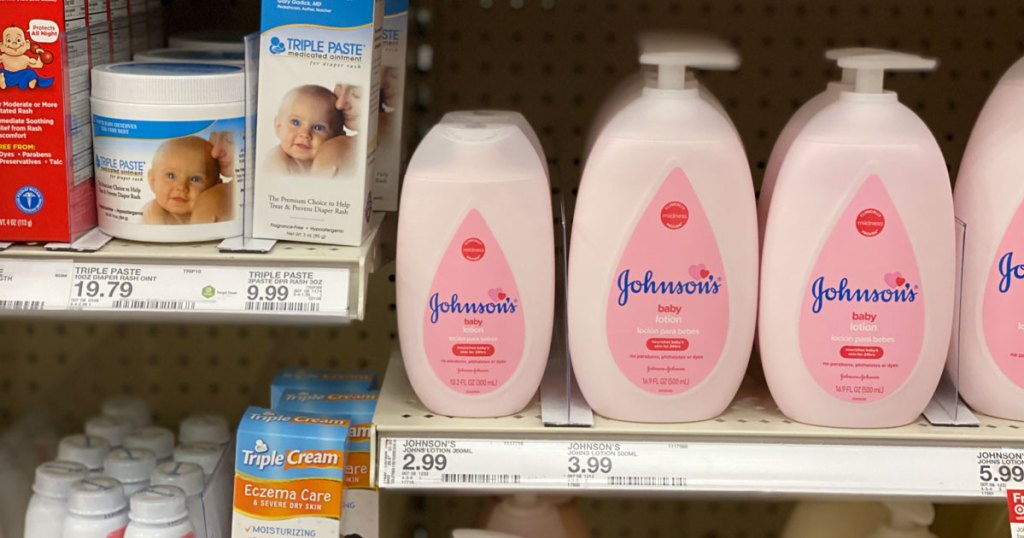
[
  {"x": 703, "y": 284},
  {"x": 499, "y": 304},
  {"x": 1009, "y": 271},
  {"x": 899, "y": 291}
]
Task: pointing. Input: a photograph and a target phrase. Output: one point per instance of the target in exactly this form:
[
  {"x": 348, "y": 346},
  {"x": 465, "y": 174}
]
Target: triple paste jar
[{"x": 169, "y": 150}]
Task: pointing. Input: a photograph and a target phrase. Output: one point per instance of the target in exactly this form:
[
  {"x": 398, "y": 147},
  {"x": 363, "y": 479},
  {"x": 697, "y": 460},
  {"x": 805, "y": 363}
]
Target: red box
[{"x": 46, "y": 174}]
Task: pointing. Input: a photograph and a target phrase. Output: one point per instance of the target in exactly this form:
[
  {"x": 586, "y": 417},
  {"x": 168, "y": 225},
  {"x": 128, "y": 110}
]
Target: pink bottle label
[
  {"x": 1003, "y": 309},
  {"x": 119, "y": 533},
  {"x": 862, "y": 319},
  {"x": 473, "y": 328},
  {"x": 668, "y": 310}
]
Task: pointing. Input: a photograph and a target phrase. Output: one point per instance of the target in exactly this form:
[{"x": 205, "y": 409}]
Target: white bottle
[
  {"x": 97, "y": 508},
  {"x": 205, "y": 455},
  {"x": 49, "y": 504},
  {"x": 793, "y": 127},
  {"x": 159, "y": 512},
  {"x": 857, "y": 266},
  {"x": 663, "y": 263},
  {"x": 112, "y": 429},
  {"x": 131, "y": 409},
  {"x": 88, "y": 450},
  {"x": 989, "y": 199},
  {"x": 536, "y": 516},
  {"x": 156, "y": 439},
  {"x": 475, "y": 269},
  {"x": 131, "y": 466},
  {"x": 189, "y": 477},
  {"x": 906, "y": 520},
  {"x": 204, "y": 428}
]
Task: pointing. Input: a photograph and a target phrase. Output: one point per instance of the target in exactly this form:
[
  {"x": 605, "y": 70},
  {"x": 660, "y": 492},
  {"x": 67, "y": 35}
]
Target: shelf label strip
[
  {"x": 30, "y": 285},
  {"x": 496, "y": 464}
]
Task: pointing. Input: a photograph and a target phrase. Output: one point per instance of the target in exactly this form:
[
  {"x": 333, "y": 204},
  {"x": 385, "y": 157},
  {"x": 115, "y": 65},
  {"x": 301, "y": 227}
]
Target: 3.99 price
[
  {"x": 591, "y": 465},
  {"x": 426, "y": 462},
  {"x": 268, "y": 293},
  {"x": 111, "y": 288},
  {"x": 1001, "y": 473}
]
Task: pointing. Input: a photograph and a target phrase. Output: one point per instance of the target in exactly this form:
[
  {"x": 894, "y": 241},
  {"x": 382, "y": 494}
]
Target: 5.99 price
[
  {"x": 426, "y": 462},
  {"x": 110, "y": 288},
  {"x": 1001, "y": 473},
  {"x": 268, "y": 293},
  {"x": 591, "y": 465}
]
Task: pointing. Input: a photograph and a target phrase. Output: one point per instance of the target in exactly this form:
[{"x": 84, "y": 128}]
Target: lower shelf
[{"x": 751, "y": 450}]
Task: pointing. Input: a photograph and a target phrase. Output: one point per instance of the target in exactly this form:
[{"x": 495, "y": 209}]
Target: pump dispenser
[
  {"x": 989, "y": 199},
  {"x": 796, "y": 123},
  {"x": 907, "y": 520},
  {"x": 858, "y": 259},
  {"x": 663, "y": 262}
]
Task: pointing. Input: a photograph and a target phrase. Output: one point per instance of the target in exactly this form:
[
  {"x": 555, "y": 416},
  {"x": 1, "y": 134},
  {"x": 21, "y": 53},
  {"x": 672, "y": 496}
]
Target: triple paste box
[
  {"x": 289, "y": 475},
  {"x": 392, "y": 105},
  {"x": 47, "y": 192},
  {"x": 316, "y": 136}
]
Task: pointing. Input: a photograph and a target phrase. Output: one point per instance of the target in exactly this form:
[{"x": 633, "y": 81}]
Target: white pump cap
[
  {"x": 907, "y": 520},
  {"x": 153, "y": 438},
  {"x": 110, "y": 428},
  {"x": 97, "y": 496},
  {"x": 869, "y": 69},
  {"x": 130, "y": 465},
  {"x": 837, "y": 54},
  {"x": 88, "y": 450},
  {"x": 205, "y": 455},
  {"x": 54, "y": 478},
  {"x": 674, "y": 55},
  {"x": 187, "y": 476},
  {"x": 204, "y": 428},
  {"x": 131, "y": 409},
  {"x": 157, "y": 505}
]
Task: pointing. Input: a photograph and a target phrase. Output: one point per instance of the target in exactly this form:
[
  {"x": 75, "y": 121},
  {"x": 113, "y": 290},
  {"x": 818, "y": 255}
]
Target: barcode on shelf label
[
  {"x": 28, "y": 285},
  {"x": 647, "y": 481},
  {"x": 282, "y": 307},
  {"x": 476, "y": 478},
  {"x": 153, "y": 304}
]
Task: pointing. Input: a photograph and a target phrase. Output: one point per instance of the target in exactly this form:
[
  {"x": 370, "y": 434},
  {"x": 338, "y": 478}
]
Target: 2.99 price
[
  {"x": 426, "y": 462},
  {"x": 268, "y": 293},
  {"x": 591, "y": 465},
  {"x": 1001, "y": 473},
  {"x": 110, "y": 288}
]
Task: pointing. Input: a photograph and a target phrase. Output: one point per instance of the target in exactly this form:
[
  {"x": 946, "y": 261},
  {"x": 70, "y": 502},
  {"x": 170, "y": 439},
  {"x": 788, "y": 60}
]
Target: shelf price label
[
  {"x": 311, "y": 291},
  {"x": 999, "y": 469},
  {"x": 31, "y": 285}
]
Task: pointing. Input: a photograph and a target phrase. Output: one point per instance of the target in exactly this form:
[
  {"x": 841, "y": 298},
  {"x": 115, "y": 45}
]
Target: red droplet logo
[
  {"x": 870, "y": 222},
  {"x": 674, "y": 215},
  {"x": 473, "y": 249}
]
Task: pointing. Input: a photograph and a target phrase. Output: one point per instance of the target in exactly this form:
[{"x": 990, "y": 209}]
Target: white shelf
[
  {"x": 358, "y": 262},
  {"x": 752, "y": 449}
]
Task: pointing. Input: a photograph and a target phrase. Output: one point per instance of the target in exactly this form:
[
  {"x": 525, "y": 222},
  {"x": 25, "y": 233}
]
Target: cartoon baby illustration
[{"x": 16, "y": 68}]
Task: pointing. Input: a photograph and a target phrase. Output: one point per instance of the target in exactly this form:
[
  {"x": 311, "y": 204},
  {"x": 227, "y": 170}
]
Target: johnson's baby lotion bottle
[
  {"x": 475, "y": 268},
  {"x": 857, "y": 267},
  {"x": 663, "y": 262},
  {"x": 989, "y": 199}
]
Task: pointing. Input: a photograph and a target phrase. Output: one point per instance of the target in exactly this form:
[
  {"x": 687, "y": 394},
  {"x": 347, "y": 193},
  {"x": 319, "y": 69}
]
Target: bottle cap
[
  {"x": 130, "y": 465},
  {"x": 88, "y": 450},
  {"x": 112, "y": 429},
  {"x": 205, "y": 455},
  {"x": 54, "y": 478},
  {"x": 131, "y": 409},
  {"x": 96, "y": 496},
  {"x": 187, "y": 476},
  {"x": 204, "y": 428},
  {"x": 156, "y": 439},
  {"x": 869, "y": 68},
  {"x": 158, "y": 505}
]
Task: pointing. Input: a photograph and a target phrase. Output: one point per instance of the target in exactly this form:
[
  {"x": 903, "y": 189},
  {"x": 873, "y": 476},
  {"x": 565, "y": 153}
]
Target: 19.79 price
[{"x": 98, "y": 289}]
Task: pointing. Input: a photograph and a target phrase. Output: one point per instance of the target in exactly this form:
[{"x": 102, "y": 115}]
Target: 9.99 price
[{"x": 268, "y": 293}]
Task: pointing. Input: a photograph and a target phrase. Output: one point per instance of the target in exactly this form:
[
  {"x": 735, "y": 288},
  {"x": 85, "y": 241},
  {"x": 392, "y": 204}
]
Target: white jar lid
[
  {"x": 112, "y": 429},
  {"x": 169, "y": 83},
  {"x": 187, "y": 476},
  {"x": 156, "y": 439},
  {"x": 158, "y": 505},
  {"x": 131, "y": 409},
  {"x": 88, "y": 450},
  {"x": 97, "y": 496},
  {"x": 205, "y": 455},
  {"x": 130, "y": 465},
  {"x": 204, "y": 428},
  {"x": 54, "y": 478}
]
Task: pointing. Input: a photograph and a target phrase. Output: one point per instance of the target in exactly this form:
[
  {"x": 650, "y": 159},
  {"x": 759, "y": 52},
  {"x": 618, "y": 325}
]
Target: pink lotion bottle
[
  {"x": 858, "y": 261},
  {"x": 475, "y": 271},
  {"x": 989, "y": 199},
  {"x": 663, "y": 261}
]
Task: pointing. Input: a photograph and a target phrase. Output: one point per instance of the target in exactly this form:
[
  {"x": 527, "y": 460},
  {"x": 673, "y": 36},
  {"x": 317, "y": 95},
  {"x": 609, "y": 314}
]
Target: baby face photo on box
[
  {"x": 317, "y": 129},
  {"x": 187, "y": 177}
]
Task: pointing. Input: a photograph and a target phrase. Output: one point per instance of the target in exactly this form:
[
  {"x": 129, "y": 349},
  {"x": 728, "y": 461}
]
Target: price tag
[
  {"x": 998, "y": 468},
  {"x": 170, "y": 288},
  {"x": 34, "y": 284}
]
